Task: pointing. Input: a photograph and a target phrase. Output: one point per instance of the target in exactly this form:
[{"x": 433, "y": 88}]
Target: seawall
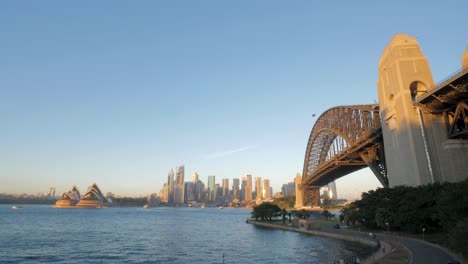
[{"x": 362, "y": 240}]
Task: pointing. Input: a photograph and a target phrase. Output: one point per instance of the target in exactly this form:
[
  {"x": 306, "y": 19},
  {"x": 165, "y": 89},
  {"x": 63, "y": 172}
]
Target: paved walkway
[{"x": 421, "y": 252}]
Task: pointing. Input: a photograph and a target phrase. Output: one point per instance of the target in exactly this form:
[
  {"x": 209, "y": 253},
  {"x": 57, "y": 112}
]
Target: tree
[
  {"x": 265, "y": 211},
  {"x": 327, "y": 214}
]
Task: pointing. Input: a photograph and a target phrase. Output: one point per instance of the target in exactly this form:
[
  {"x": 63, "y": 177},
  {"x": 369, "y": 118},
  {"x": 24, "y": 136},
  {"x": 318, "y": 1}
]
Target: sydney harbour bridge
[{"x": 417, "y": 133}]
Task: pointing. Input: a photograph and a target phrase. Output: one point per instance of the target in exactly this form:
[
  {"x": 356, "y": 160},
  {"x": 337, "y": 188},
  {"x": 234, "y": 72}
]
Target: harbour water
[{"x": 42, "y": 234}]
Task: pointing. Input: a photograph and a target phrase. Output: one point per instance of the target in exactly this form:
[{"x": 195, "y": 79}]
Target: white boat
[
  {"x": 221, "y": 207},
  {"x": 16, "y": 207}
]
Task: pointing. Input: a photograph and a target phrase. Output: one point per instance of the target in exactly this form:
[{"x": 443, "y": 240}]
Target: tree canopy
[
  {"x": 434, "y": 207},
  {"x": 266, "y": 211}
]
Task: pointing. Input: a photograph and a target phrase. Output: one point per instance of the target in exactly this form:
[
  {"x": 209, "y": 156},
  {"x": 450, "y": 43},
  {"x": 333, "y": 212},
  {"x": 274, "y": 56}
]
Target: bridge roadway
[{"x": 422, "y": 252}]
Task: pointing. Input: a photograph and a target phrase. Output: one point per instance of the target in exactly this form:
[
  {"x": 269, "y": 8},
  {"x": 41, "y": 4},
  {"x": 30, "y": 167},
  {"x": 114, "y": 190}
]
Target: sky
[{"x": 120, "y": 92}]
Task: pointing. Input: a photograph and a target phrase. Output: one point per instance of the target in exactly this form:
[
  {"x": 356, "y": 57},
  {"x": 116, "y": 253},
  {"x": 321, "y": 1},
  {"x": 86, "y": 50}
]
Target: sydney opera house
[{"x": 93, "y": 198}]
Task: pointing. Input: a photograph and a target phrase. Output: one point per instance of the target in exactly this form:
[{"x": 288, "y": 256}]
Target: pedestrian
[{"x": 383, "y": 249}]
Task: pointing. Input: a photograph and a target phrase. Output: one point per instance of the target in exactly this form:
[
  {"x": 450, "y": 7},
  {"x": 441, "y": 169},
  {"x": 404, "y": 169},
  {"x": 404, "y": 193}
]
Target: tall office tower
[
  {"x": 243, "y": 186},
  {"x": 248, "y": 188},
  {"x": 288, "y": 189},
  {"x": 165, "y": 193},
  {"x": 211, "y": 188},
  {"x": 258, "y": 188},
  {"x": 189, "y": 192},
  {"x": 179, "y": 185},
  {"x": 199, "y": 189},
  {"x": 195, "y": 177},
  {"x": 51, "y": 192},
  {"x": 225, "y": 189},
  {"x": 170, "y": 186},
  {"x": 332, "y": 191},
  {"x": 266, "y": 189},
  {"x": 219, "y": 194},
  {"x": 235, "y": 189}
]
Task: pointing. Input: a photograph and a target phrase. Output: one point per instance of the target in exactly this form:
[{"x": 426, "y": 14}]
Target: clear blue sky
[{"x": 120, "y": 92}]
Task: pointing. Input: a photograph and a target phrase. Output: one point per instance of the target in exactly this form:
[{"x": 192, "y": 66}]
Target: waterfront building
[
  {"x": 219, "y": 194},
  {"x": 199, "y": 189},
  {"x": 69, "y": 198},
  {"x": 189, "y": 192},
  {"x": 152, "y": 200},
  {"x": 266, "y": 189},
  {"x": 243, "y": 186},
  {"x": 211, "y": 188},
  {"x": 225, "y": 190},
  {"x": 179, "y": 186},
  {"x": 93, "y": 198},
  {"x": 258, "y": 189},
  {"x": 170, "y": 186},
  {"x": 235, "y": 189},
  {"x": 248, "y": 187}
]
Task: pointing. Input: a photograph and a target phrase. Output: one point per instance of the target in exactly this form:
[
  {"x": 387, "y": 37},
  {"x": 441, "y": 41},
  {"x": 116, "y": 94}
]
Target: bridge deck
[{"x": 447, "y": 93}]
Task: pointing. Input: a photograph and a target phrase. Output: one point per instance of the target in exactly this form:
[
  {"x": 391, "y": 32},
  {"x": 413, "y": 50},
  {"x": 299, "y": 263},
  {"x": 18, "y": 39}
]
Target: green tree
[
  {"x": 327, "y": 214},
  {"x": 265, "y": 211}
]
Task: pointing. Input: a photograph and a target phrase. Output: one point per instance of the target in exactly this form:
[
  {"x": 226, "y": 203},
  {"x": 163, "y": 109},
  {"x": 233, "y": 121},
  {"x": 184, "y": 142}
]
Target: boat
[
  {"x": 145, "y": 206},
  {"x": 16, "y": 207},
  {"x": 221, "y": 207}
]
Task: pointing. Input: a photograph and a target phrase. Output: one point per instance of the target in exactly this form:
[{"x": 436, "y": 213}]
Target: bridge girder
[{"x": 344, "y": 139}]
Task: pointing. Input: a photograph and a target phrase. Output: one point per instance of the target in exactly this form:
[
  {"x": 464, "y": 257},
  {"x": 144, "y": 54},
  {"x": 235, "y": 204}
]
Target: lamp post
[{"x": 424, "y": 229}]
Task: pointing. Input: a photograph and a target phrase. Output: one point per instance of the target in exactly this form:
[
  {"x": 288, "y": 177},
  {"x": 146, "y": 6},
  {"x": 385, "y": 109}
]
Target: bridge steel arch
[{"x": 344, "y": 139}]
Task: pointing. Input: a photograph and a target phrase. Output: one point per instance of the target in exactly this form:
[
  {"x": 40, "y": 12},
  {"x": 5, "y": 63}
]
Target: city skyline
[{"x": 117, "y": 93}]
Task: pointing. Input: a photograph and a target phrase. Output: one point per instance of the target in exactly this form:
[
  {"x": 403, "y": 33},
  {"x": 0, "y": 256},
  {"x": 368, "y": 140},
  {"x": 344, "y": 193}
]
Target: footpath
[{"x": 388, "y": 249}]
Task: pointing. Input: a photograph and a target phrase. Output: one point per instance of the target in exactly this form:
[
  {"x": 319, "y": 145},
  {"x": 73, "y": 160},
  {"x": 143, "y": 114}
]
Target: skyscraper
[
  {"x": 211, "y": 188},
  {"x": 225, "y": 189},
  {"x": 179, "y": 185},
  {"x": 248, "y": 188},
  {"x": 258, "y": 189},
  {"x": 266, "y": 189},
  {"x": 170, "y": 185},
  {"x": 195, "y": 177},
  {"x": 235, "y": 189},
  {"x": 332, "y": 191},
  {"x": 288, "y": 189}
]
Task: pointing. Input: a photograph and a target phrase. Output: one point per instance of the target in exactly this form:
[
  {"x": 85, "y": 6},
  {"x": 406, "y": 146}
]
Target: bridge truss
[{"x": 344, "y": 139}]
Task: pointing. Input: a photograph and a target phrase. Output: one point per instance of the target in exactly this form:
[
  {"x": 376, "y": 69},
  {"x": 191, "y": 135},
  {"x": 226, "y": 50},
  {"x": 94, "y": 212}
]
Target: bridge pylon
[{"x": 404, "y": 75}]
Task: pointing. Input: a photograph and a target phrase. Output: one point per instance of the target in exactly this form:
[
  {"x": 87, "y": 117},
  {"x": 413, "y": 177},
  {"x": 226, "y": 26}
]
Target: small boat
[
  {"x": 16, "y": 207},
  {"x": 221, "y": 207},
  {"x": 145, "y": 206}
]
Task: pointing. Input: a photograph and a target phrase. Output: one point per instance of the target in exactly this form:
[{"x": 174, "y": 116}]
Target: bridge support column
[{"x": 299, "y": 192}]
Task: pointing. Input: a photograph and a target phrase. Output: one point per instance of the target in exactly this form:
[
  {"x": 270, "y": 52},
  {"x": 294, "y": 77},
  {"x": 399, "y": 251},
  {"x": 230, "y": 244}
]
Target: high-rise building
[
  {"x": 235, "y": 189},
  {"x": 170, "y": 186},
  {"x": 258, "y": 189},
  {"x": 51, "y": 192},
  {"x": 219, "y": 194},
  {"x": 266, "y": 189},
  {"x": 226, "y": 189},
  {"x": 211, "y": 188},
  {"x": 248, "y": 188},
  {"x": 189, "y": 192},
  {"x": 332, "y": 191},
  {"x": 288, "y": 189},
  {"x": 179, "y": 185},
  {"x": 199, "y": 190},
  {"x": 243, "y": 186},
  {"x": 195, "y": 177}
]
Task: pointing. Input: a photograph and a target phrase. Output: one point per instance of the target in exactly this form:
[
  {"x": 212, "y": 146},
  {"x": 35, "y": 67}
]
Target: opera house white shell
[
  {"x": 93, "y": 198},
  {"x": 70, "y": 198}
]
